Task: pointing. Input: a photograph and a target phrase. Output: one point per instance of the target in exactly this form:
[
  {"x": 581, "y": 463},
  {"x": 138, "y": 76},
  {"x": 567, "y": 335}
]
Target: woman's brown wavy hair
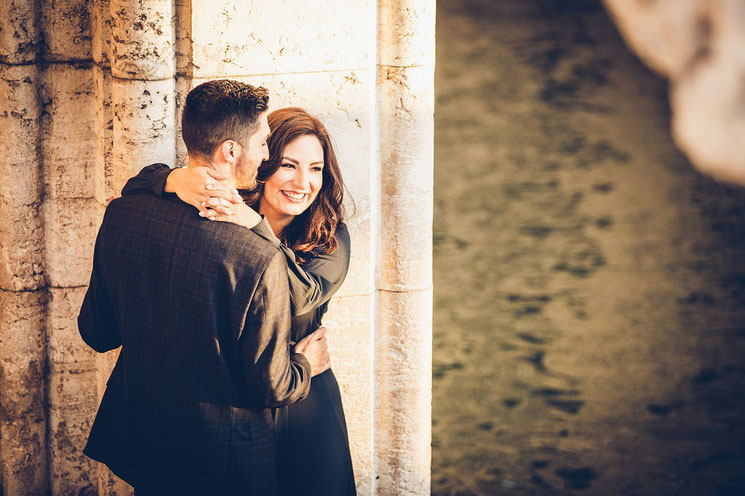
[{"x": 312, "y": 232}]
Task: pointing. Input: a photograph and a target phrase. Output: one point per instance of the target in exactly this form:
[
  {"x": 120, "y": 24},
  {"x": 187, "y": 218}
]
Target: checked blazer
[{"x": 201, "y": 311}]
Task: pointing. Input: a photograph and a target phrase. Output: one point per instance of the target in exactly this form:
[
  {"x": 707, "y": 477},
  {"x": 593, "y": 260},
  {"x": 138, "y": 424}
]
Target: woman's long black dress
[{"x": 313, "y": 455}]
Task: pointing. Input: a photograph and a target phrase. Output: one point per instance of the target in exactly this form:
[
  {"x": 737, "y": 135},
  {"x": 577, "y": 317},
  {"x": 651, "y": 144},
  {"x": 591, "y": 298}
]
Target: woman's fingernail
[
  {"x": 204, "y": 204},
  {"x": 209, "y": 187},
  {"x": 201, "y": 214}
]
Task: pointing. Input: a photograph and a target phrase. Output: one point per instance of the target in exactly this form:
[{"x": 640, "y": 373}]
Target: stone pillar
[
  {"x": 698, "y": 45},
  {"x": 143, "y": 87},
  {"x": 71, "y": 218},
  {"x": 23, "y": 439},
  {"x": 320, "y": 61},
  {"x": 403, "y": 348}
]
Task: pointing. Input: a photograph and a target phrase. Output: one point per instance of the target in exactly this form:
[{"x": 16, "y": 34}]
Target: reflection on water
[{"x": 590, "y": 285}]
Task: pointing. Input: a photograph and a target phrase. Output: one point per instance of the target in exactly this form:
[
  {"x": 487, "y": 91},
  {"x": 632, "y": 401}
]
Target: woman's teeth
[{"x": 294, "y": 196}]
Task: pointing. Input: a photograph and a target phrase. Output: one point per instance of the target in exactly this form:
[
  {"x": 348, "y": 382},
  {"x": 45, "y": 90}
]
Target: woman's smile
[{"x": 294, "y": 196}]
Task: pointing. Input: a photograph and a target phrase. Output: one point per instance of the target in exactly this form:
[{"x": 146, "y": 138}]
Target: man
[{"x": 201, "y": 310}]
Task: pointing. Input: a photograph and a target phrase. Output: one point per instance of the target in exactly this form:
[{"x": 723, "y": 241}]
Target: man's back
[{"x": 201, "y": 310}]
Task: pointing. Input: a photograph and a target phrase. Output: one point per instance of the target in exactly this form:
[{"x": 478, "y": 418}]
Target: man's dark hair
[{"x": 221, "y": 110}]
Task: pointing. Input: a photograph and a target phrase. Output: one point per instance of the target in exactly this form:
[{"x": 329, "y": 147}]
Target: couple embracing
[{"x": 223, "y": 383}]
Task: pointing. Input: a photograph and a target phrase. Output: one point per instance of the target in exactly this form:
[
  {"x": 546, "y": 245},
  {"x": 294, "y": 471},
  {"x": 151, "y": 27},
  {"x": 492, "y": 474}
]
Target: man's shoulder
[
  {"x": 244, "y": 246},
  {"x": 171, "y": 218}
]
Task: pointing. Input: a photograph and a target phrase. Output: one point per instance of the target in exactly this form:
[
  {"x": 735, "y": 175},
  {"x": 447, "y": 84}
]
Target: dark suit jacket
[{"x": 202, "y": 312}]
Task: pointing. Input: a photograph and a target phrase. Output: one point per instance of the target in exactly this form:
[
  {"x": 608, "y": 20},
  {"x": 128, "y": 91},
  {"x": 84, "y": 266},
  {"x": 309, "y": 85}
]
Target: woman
[{"x": 299, "y": 195}]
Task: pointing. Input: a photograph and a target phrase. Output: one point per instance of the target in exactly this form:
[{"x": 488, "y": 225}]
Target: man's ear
[{"x": 229, "y": 151}]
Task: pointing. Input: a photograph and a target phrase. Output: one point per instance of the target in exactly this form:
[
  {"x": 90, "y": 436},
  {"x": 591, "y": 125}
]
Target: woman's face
[{"x": 297, "y": 181}]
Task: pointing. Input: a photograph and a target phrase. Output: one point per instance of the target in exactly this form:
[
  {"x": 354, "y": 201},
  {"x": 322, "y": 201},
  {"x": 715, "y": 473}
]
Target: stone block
[
  {"x": 23, "y": 452},
  {"x": 67, "y": 30},
  {"x": 103, "y": 136},
  {"x": 72, "y": 394},
  {"x": 144, "y": 118},
  {"x": 406, "y": 32},
  {"x": 142, "y": 39},
  {"x": 21, "y": 249},
  {"x": 20, "y": 128},
  {"x": 21, "y": 236},
  {"x": 20, "y": 36},
  {"x": 359, "y": 279},
  {"x": 111, "y": 485},
  {"x": 22, "y": 258},
  {"x": 70, "y": 230},
  {"x": 104, "y": 365},
  {"x": 68, "y": 132},
  {"x": 183, "y": 86},
  {"x": 184, "y": 39},
  {"x": 249, "y": 38},
  {"x": 64, "y": 344},
  {"x": 101, "y": 32},
  {"x": 72, "y": 408},
  {"x": 403, "y": 392},
  {"x": 407, "y": 177},
  {"x": 350, "y": 337}
]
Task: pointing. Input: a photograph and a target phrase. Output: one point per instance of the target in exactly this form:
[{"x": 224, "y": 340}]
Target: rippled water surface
[{"x": 589, "y": 283}]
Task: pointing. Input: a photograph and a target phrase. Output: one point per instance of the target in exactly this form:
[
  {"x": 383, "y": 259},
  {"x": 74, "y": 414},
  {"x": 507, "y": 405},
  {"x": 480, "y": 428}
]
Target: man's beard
[{"x": 245, "y": 173}]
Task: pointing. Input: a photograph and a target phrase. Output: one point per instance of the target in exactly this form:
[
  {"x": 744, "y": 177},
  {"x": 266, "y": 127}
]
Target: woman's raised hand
[
  {"x": 205, "y": 189},
  {"x": 241, "y": 214}
]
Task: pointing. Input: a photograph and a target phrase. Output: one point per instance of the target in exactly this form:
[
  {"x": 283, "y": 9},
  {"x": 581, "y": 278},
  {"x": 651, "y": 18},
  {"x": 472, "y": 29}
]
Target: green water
[{"x": 589, "y": 284}]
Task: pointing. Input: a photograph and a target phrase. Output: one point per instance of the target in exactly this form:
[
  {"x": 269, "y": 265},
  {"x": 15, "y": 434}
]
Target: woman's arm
[
  {"x": 151, "y": 179},
  {"x": 314, "y": 283},
  {"x": 200, "y": 187}
]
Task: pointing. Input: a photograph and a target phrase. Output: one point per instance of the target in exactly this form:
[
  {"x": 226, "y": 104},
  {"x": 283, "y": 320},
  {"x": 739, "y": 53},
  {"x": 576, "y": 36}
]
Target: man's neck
[{"x": 220, "y": 169}]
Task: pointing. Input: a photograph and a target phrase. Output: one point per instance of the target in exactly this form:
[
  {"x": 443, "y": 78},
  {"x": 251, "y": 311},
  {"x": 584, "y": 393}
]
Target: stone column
[
  {"x": 71, "y": 218},
  {"x": 310, "y": 55},
  {"x": 403, "y": 349},
  {"x": 143, "y": 87},
  {"x": 23, "y": 449}
]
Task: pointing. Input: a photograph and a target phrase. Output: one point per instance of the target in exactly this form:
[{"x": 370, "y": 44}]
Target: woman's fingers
[
  {"x": 216, "y": 202},
  {"x": 212, "y": 213},
  {"x": 223, "y": 191}
]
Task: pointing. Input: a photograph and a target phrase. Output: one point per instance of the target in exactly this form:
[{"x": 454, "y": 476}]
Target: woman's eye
[
  {"x": 292, "y": 166},
  {"x": 317, "y": 169}
]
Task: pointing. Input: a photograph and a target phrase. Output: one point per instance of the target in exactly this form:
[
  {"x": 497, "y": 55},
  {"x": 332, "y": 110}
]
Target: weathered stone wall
[
  {"x": 90, "y": 91},
  {"x": 699, "y": 45}
]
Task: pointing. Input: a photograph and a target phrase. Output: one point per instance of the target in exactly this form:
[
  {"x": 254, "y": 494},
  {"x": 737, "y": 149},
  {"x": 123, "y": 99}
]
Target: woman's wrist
[{"x": 172, "y": 176}]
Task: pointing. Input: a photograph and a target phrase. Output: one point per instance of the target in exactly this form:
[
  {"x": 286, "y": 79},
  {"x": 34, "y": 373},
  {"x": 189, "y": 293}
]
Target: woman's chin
[{"x": 294, "y": 210}]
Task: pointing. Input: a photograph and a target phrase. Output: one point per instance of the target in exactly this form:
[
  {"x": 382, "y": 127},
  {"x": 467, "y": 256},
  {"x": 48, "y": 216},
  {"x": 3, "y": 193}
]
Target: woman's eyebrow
[{"x": 285, "y": 157}]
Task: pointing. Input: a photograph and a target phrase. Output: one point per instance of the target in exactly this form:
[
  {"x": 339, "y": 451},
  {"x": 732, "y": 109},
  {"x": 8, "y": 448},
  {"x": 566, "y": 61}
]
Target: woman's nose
[{"x": 301, "y": 178}]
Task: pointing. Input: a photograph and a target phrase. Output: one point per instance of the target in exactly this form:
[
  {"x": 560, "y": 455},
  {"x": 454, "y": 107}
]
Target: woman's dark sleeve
[
  {"x": 151, "y": 179},
  {"x": 314, "y": 283}
]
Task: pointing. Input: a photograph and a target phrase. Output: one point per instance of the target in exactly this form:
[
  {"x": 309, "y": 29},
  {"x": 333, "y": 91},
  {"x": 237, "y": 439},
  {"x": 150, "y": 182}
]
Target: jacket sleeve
[
  {"x": 314, "y": 283},
  {"x": 151, "y": 179},
  {"x": 272, "y": 372},
  {"x": 96, "y": 320}
]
